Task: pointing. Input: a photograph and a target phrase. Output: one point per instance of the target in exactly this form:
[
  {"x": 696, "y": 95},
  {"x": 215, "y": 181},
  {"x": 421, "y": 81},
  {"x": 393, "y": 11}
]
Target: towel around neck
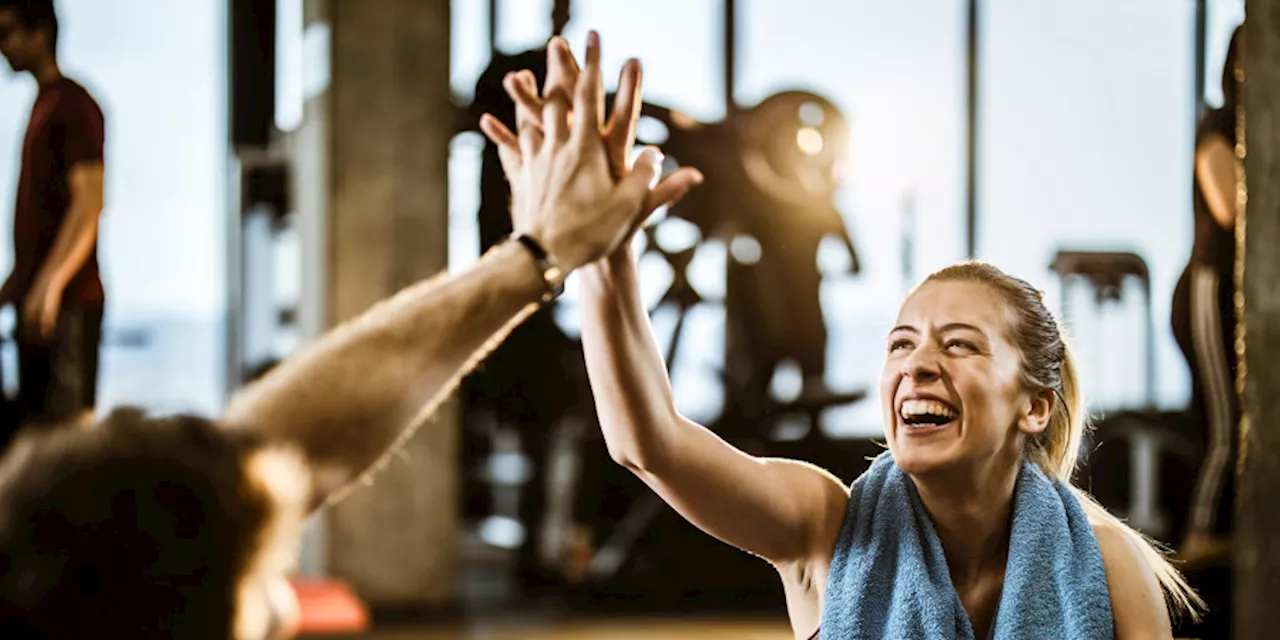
[{"x": 889, "y": 577}]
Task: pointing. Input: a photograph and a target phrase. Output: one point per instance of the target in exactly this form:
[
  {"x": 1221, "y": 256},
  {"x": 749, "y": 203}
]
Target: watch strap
[{"x": 552, "y": 275}]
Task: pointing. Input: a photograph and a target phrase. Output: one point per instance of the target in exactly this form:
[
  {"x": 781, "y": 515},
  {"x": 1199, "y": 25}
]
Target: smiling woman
[{"x": 976, "y": 532}]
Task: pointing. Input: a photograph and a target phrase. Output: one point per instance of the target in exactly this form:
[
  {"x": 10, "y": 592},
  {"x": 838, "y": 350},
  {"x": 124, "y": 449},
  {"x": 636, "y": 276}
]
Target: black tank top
[{"x": 1214, "y": 246}]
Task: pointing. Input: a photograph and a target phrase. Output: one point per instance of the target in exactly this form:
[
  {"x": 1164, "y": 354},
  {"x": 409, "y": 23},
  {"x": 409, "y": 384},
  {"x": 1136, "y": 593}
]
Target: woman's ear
[{"x": 1040, "y": 405}]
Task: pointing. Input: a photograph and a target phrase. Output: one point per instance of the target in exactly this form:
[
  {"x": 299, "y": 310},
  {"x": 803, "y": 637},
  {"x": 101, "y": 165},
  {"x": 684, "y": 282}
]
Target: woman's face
[{"x": 952, "y": 388}]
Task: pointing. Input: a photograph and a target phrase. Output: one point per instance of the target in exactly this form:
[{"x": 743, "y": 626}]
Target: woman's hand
[{"x": 536, "y": 115}]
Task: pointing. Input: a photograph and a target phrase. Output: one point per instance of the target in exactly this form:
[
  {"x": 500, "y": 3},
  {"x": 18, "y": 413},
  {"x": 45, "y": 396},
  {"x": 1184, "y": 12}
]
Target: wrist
[
  {"x": 566, "y": 253},
  {"x": 562, "y": 244},
  {"x": 604, "y": 276},
  {"x": 545, "y": 265},
  {"x": 58, "y": 282},
  {"x": 521, "y": 268}
]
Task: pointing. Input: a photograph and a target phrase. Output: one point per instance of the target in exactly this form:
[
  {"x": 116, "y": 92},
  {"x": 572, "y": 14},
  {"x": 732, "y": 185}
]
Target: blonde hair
[{"x": 1047, "y": 363}]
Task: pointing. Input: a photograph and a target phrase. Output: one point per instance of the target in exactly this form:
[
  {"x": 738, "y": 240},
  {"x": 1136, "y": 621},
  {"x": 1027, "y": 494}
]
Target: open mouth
[{"x": 926, "y": 414}]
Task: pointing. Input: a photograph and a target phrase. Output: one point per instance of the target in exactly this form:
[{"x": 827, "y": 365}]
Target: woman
[
  {"x": 971, "y": 503},
  {"x": 975, "y": 351},
  {"x": 1204, "y": 317}
]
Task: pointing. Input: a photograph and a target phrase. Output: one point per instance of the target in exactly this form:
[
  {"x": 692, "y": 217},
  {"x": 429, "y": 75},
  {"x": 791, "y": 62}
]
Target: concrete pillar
[
  {"x": 371, "y": 163},
  {"x": 1257, "y": 535}
]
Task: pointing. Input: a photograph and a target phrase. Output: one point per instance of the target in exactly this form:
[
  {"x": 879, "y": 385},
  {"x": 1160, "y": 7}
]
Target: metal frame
[{"x": 971, "y": 143}]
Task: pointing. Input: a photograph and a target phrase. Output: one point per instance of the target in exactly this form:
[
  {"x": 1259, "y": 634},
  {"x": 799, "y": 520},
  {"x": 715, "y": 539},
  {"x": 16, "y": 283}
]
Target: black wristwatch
[{"x": 552, "y": 275}]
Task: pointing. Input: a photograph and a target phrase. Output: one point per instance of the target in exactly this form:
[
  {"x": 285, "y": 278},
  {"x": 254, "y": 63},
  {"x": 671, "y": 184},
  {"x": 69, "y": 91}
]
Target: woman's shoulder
[
  {"x": 1137, "y": 600},
  {"x": 1118, "y": 546}
]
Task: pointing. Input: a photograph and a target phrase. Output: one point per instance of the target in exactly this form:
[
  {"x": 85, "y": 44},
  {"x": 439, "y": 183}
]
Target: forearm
[
  {"x": 72, "y": 246},
  {"x": 772, "y": 508},
  {"x": 629, "y": 379},
  {"x": 357, "y": 393}
]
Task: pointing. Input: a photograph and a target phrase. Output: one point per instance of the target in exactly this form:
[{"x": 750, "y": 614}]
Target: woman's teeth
[{"x": 932, "y": 412}]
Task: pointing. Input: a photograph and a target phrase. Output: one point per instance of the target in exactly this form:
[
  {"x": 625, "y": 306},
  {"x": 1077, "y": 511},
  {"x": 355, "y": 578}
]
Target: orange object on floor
[{"x": 327, "y": 606}]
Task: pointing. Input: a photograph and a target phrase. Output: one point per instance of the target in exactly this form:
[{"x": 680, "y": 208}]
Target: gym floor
[{"x": 614, "y": 629}]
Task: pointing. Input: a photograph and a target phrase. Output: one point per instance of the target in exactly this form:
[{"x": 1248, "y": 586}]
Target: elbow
[
  {"x": 641, "y": 446},
  {"x": 626, "y": 458},
  {"x": 634, "y": 458}
]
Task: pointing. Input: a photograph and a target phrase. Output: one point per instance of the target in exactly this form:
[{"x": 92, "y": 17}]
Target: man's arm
[
  {"x": 83, "y": 142},
  {"x": 79, "y": 230},
  {"x": 351, "y": 398}
]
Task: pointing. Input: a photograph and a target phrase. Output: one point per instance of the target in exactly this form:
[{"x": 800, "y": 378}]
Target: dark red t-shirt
[{"x": 66, "y": 128}]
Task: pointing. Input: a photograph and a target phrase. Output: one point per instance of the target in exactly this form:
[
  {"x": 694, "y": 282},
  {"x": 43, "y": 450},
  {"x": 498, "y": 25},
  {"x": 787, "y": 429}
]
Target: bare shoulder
[
  {"x": 834, "y": 496},
  {"x": 1138, "y": 606},
  {"x": 825, "y": 500},
  {"x": 1123, "y": 558}
]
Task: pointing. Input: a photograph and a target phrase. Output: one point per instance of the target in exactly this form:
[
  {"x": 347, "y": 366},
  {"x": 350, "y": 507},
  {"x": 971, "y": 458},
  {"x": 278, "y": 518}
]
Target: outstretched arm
[
  {"x": 786, "y": 511},
  {"x": 356, "y": 394},
  {"x": 349, "y": 399}
]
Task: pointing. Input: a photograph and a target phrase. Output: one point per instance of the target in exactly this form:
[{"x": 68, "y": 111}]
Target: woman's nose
[{"x": 922, "y": 365}]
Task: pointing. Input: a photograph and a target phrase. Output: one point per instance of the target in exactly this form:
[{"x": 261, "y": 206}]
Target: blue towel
[{"x": 889, "y": 577}]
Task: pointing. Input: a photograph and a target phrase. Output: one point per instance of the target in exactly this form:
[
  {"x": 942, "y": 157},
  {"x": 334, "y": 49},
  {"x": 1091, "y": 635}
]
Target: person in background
[
  {"x": 54, "y": 286},
  {"x": 1204, "y": 323}
]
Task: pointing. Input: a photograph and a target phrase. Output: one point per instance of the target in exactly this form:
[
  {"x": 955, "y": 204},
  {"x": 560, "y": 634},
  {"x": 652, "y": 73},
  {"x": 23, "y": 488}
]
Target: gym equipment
[
  {"x": 1139, "y": 461},
  {"x": 1107, "y": 273},
  {"x": 327, "y": 607}
]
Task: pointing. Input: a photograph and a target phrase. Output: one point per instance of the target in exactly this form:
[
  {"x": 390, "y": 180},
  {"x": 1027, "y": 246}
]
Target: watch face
[
  {"x": 552, "y": 274},
  {"x": 554, "y": 279}
]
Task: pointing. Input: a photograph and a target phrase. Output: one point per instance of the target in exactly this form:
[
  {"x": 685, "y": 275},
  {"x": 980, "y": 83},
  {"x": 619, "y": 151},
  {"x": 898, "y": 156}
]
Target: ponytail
[{"x": 1057, "y": 456}]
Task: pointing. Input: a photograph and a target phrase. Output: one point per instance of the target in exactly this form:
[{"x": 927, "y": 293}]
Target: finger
[
  {"x": 633, "y": 190},
  {"x": 620, "y": 133},
  {"x": 588, "y": 100},
  {"x": 511, "y": 161},
  {"x": 530, "y": 138},
  {"x": 672, "y": 188},
  {"x": 668, "y": 192},
  {"x": 523, "y": 90},
  {"x": 498, "y": 133},
  {"x": 555, "y": 119},
  {"x": 530, "y": 83},
  {"x": 508, "y": 143},
  {"x": 562, "y": 69},
  {"x": 562, "y": 76}
]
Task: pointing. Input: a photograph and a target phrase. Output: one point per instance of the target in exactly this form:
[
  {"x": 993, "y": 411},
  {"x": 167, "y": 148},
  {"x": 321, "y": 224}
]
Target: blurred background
[{"x": 274, "y": 166}]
